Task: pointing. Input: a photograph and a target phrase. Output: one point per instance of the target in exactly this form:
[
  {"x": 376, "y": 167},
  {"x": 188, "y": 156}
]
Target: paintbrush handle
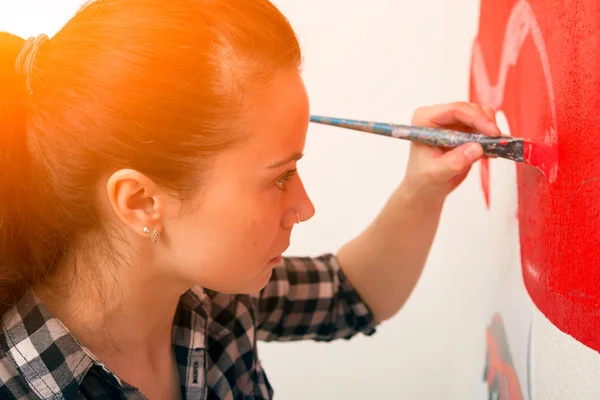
[{"x": 498, "y": 146}]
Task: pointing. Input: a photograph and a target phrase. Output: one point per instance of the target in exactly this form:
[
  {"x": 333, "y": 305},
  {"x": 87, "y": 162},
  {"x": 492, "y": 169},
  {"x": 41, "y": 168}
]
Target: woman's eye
[{"x": 280, "y": 182}]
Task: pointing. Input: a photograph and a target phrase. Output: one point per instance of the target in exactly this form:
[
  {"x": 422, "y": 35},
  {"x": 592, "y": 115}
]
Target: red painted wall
[{"x": 543, "y": 72}]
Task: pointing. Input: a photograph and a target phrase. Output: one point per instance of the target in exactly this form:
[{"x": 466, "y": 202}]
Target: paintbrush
[{"x": 540, "y": 155}]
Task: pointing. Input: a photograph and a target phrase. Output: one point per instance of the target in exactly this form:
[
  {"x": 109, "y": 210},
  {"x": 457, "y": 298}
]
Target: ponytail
[{"x": 14, "y": 172}]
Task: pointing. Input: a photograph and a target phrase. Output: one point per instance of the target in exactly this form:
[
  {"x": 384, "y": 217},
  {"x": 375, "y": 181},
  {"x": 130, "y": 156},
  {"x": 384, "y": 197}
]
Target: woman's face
[{"x": 247, "y": 207}]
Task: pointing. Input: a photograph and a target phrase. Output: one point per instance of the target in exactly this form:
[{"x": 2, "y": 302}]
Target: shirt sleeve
[{"x": 311, "y": 298}]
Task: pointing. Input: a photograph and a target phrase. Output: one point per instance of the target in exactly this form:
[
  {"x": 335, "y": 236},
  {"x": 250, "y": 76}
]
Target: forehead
[{"x": 277, "y": 116}]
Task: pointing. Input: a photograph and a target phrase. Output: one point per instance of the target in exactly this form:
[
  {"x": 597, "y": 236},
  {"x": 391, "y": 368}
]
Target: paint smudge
[{"x": 500, "y": 374}]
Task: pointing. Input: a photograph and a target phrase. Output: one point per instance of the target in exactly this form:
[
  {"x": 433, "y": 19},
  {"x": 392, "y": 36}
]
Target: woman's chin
[{"x": 275, "y": 260}]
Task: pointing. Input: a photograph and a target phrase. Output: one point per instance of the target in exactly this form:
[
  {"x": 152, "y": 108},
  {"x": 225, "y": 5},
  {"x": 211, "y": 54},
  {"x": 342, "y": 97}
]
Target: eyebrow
[{"x": 293, "y": 157}]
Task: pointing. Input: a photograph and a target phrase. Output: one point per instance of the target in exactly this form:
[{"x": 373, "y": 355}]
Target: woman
[{"x": 149, "y": 188}]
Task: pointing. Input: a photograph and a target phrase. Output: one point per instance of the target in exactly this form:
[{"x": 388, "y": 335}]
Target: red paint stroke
[
  {"x": 542, "y": 156},
  {"x": 544, "y": 74},
  {"x": 485, "y": 179},
  {"x": 500, "y": 374}
]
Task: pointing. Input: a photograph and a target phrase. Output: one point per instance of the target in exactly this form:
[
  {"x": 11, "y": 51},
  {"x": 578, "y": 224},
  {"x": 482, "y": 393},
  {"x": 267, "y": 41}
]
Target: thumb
[{"x": 459, "y": 160}]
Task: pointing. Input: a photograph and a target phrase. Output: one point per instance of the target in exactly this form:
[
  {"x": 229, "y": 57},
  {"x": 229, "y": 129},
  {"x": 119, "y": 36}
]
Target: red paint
[
  {"x": 485, "y": 179},
  {"x": 559, "y": 222},
  {"x": 542, "y": 156},
  {"x": 500, "y": 374}
]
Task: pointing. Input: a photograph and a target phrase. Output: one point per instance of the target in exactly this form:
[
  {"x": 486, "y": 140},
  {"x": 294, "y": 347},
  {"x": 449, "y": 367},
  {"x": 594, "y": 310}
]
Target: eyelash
[{"x": 286, "y": 177}]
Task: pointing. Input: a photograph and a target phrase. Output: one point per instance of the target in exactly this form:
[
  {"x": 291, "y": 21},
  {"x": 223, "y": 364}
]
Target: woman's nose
[
  {"x": 302, "y": 209},
  {"x": 306, "y": 208}
]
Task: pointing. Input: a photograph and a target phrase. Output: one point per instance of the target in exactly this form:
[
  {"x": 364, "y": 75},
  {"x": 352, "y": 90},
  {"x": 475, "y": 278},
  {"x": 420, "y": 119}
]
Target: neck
[{"x": 122, "y": 312}]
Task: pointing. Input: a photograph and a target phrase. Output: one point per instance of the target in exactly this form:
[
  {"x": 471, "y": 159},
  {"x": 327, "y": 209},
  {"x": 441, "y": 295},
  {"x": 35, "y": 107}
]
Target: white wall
[
  {"x": 380, "y": 60},
  {"x": 374, "y": 60},
  {"x": 393, "y": 56}
]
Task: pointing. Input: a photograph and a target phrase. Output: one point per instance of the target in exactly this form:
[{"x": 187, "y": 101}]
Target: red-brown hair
[{"x": 153, "y": 85}]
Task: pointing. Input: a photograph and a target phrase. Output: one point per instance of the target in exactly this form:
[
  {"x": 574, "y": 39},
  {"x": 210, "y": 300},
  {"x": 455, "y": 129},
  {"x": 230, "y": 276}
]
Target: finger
[
  {"x": 478, "y": 108},
  {"x": 476, "y": 119},
  {"x": 484, "y": 110},
  {"x": 458, "y": 160},
  {"x": 443, "y": 113},
  {"x": 490, "y": 112},
  {"x": 429, "y": 115},
  {"x": 459, "y": 115}
]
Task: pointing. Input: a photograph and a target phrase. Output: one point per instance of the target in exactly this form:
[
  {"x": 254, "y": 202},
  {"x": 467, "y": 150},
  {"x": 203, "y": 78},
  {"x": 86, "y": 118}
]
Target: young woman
[{"x": 148, "y": 188}]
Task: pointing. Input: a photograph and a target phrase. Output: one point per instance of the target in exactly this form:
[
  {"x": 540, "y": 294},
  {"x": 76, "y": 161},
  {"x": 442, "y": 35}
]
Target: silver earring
[
  {"x": 155, "y": 236},
  {"x": 297, "y": 217}
]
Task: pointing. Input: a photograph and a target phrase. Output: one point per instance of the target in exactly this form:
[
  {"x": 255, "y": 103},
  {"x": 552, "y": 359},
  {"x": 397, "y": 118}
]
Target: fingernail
[{"x": 473, "y": 152}]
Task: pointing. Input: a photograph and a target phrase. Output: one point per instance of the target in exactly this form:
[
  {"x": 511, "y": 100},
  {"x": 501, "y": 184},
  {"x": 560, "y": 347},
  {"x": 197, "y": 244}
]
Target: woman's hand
[{"x": 434, "y": 172}]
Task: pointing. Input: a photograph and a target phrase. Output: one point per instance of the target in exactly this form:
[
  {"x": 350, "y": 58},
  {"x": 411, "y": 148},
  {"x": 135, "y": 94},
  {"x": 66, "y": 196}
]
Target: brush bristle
[{"x": 544, "y": 156}]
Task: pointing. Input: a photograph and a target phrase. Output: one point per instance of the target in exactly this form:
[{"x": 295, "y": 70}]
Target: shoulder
[{"x": 12, "y": 383}]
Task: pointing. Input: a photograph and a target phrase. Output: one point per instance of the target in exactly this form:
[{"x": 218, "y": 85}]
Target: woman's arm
[{"x": 385, "y": 262}]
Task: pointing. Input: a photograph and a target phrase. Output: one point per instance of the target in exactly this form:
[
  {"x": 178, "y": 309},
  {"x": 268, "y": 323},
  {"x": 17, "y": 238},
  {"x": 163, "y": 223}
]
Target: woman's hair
[{"x": 152, "y": 85}]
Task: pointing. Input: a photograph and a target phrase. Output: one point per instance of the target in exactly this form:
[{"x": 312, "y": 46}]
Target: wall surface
[
  {"x": 380, "y": 61},
  {"x": 538, "y": 64}
]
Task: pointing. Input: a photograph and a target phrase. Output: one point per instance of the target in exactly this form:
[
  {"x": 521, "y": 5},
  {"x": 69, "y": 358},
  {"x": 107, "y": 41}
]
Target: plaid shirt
[{"x": 214, "y": 338}]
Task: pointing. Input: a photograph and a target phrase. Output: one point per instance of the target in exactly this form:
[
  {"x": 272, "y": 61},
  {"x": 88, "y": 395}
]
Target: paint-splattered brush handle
[{"x": 498, "y": 146}]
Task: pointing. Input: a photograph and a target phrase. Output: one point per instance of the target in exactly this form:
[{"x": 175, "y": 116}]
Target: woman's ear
[{"x": 135, "y": 199}]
